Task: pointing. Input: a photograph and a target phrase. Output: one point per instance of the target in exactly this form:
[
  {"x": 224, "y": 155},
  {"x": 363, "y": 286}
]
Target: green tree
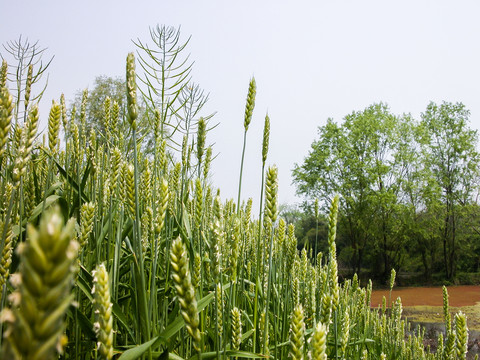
[
  {"x": 306, "y": 230},
  {"x": 103, "y": 87},
  {"x": 450, "y": 152},
  {"x": 358, "y": 160}
]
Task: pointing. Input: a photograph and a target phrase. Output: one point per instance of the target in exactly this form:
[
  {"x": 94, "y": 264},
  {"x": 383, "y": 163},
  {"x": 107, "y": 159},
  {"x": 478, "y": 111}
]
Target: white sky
[{"x": 311, "y": 60}]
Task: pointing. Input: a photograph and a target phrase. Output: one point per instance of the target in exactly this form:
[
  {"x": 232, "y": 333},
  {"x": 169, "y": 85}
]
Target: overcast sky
[{"x": 311, "y": 60}]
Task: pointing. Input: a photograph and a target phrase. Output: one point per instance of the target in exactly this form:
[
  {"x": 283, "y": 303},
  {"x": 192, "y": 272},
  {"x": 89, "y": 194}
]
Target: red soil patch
[{"x": 466, "y": 295}]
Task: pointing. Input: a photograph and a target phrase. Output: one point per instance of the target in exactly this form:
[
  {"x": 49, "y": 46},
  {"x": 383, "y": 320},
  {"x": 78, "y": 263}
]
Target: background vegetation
[
  {"x": 409, "y": 190},
  {"x": 115, "y": 244}
]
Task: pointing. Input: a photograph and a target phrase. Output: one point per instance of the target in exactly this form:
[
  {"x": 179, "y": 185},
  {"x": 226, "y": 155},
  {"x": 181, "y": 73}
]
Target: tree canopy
[{"x": 403, "y": 183}]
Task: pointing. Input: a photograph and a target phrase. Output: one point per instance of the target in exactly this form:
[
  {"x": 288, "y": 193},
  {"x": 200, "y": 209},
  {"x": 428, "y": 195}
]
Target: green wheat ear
[
  {"x": 185, "y": 290},
  {"x": 319, "y": 342},
  {"x": 6, "y": 112},
  {"x": 54, "y": 126},
  {"x": 297, "y": 333},
  {"x": 35, "y": 322},
  {"x": 103, "y": 312},
  {"x": 252, "y": 91},
  {"x": 3, "y": 74},
  {"x": 462, "y": 335},
  {"x": 131, "y": 91}
]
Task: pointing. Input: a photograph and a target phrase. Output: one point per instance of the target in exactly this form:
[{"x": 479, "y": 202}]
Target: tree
[
  {"x": 450, "y": 152},
  {"x": 359, "y": 160},
  {"x": 103, "y": 87}
]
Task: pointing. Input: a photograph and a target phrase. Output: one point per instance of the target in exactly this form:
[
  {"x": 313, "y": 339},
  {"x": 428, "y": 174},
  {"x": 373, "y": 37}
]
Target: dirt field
[
  {"x": 430, "y": 296},
  {"x": 425, "y": 304}
]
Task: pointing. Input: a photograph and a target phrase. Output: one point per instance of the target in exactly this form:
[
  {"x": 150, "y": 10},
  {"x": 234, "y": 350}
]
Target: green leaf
[
  {"x": 137, "y": 351},
  {"x": 229, "y": 354},
  {"x": 84, "y": 281},
  {"x": 85, "y": 324},
  {"x": 78, "y": 188}
]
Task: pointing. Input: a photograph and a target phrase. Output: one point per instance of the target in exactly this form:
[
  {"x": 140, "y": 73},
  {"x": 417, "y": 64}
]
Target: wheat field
[{"x": 109, "y": 251}]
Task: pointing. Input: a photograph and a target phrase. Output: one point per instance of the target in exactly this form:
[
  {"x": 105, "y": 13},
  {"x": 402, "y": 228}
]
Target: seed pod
[
  {"x": 271, "y": 194},
  {"x": 219, "y": 308},
  {"x": 446, "y": 312},
  {"x": 63, "y": 108},
  {"x": 198, "y": 203},
  {"x": 292, "y": 247},
  {"x": 326, "y": 311},
  {"x": 201, "y": 137},
  {"x": 114, "y": 119},
  {"x": 162, "y": 156},
  {"x": 53, "y": 126},
  {"x": 332, "y": 227},
  {"x": 35, "y": 323},
  {"x": 32, "y": 124},
  {"x": 107, "y": 105},
  {"x": 266, "y": 136},
  {"x": 6, "y": 258},
  {"x": 280, "y": 235},
  {"x": 333, "y": 282},
  {"x": 392, "y": 279},
  {"x": 102, "y": 306},
  {"x": 450, "y": 345},
  {"x": 131, "y": 91},
  {"x": 3, "y": 74},
  {"x": 130, "y": 189},
  {"x": 462, "y": 335},
  {"x": 297, "y": 333},
  {"x": 208, "y": 161},
  {"x": 83, "y": 116},
  {"x": 345, "y": 333},
  {"x": 116, "y": 159},
  {"x": 25, "y": 148},
  {"x": 28, "y": 85},
  {"x": 236, "y": 329},
  {"x": 319, "y": 342},
  {"x": 162, "y": 208},
  {"x": 146, "y": 183},
  {"x": 252, "y": 90},
  {"x": 87, "y": 213},
  {"x": 197, "y": 269},
  {"x": 185, "y": 289},
  {"x": 263, "y": 336},
  {"x": 158, "y": 124},
  {"x": 6, "y": 110},
  {"x": 76, "y": 143}
]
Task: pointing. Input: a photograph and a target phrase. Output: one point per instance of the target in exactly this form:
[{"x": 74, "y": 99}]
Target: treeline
[{"x": 408, "y": 189}]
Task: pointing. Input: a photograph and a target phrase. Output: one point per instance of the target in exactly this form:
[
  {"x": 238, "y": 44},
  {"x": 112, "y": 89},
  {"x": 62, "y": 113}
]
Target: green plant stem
[
  {"x": 241, "y": 171},
  {"x": 139, "y": 273}
]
